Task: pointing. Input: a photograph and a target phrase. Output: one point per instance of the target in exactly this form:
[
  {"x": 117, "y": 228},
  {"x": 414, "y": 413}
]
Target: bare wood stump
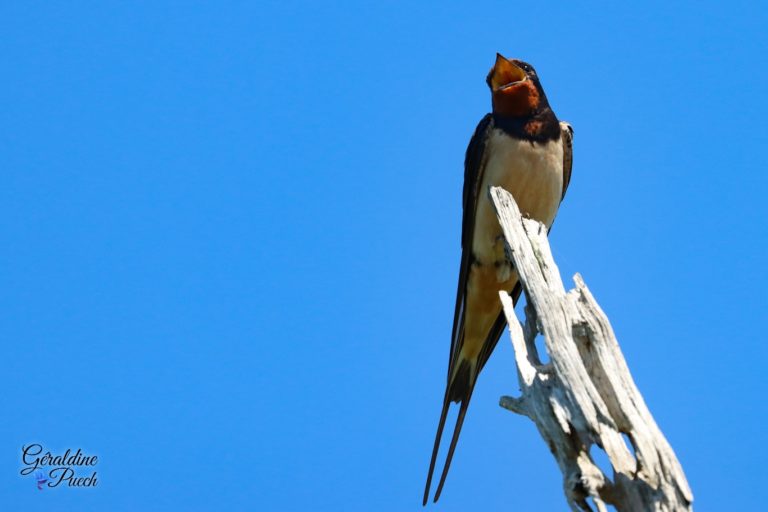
[{"x": 585, "y": 396}]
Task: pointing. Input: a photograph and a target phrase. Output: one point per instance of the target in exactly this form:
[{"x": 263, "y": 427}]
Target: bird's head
[{"x": 515, "y": 88}]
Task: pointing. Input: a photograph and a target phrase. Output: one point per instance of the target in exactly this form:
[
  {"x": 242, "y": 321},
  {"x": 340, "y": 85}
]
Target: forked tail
[{"x": 458, "y": 390}]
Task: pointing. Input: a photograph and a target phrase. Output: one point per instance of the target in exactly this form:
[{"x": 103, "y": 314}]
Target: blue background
[{"x": 230, "y": 242}]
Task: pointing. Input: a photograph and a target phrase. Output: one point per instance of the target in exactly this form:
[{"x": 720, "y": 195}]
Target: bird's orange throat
[{"x": 518, "y": 100}]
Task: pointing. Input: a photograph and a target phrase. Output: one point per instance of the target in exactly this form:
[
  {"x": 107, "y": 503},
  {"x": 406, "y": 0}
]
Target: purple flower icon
[{"x": 40, "y": 478}]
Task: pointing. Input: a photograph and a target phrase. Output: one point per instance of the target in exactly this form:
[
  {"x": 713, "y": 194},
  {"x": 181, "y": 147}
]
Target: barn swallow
[{"x": 522, "y": 147}]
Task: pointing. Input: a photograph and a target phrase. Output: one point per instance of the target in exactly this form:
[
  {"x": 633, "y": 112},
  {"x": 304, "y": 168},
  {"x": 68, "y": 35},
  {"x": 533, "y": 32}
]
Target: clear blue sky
[{"x": 230, "y": 243}]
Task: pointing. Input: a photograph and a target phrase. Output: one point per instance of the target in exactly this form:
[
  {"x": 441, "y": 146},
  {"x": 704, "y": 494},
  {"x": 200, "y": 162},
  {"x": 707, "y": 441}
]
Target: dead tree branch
[{"x": 585, "y": 397}]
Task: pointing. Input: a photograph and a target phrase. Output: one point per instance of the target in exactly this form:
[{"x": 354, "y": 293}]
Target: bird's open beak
[{"x": 505, "y": 74}]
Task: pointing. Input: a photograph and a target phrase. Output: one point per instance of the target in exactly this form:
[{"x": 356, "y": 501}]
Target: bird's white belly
[{"x": 533, "y": 173}]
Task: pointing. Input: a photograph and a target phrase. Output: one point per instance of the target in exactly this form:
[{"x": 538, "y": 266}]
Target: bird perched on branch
[{"x": 522, "y": 147}]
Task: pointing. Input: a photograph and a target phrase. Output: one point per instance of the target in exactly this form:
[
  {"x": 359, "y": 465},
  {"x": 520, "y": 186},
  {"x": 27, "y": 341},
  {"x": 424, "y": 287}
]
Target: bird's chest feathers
[{"x": 533, "y": 173}]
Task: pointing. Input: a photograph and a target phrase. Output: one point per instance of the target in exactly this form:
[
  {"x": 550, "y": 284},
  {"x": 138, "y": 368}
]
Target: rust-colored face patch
[
  {"x": 517, "y": 100},
  {"x": 514, "y": 92}
]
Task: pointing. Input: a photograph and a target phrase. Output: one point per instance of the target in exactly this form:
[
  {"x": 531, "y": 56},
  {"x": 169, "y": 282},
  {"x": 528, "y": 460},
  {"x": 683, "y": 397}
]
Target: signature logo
[
  {"x": 52, "y": 470},
  {"x": 40, "y": 479}
]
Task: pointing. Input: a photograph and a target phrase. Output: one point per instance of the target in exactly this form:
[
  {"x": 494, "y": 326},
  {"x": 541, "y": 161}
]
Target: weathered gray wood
[{"x": 585, "y": 398}]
